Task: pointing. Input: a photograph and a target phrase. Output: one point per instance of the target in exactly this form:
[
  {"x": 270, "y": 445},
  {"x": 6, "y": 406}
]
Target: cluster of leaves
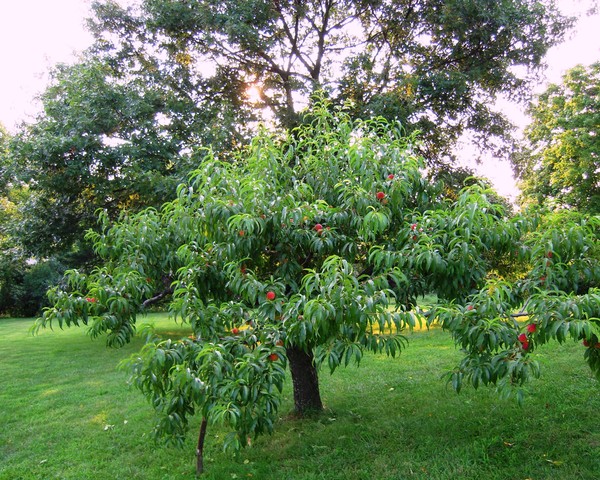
[
  {"x": 320, "y": 242},
  {"x": 99, "y": 144},
  {"x": 23, "y": 284},
  {"x": 558, "y": 296},
  {"x": 235, "y": 382}
]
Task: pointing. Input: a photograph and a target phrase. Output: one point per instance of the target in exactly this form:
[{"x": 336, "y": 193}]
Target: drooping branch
[{"x": 165, "y": 292}]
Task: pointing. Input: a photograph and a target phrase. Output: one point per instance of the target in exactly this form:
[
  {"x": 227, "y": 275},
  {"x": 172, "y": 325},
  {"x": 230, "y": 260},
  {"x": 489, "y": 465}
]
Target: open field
[{"x": 66, "y": 413}]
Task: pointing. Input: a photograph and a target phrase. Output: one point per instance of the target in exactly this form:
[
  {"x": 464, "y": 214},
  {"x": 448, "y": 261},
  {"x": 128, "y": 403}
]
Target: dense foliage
[
  {"x": 311, "y": 249},
  {"x": 166, "y": 77},
  {"x": 560, "y": 161},
  {"x": 434, "y": 65},
  {"x": 98, "y": 145}
]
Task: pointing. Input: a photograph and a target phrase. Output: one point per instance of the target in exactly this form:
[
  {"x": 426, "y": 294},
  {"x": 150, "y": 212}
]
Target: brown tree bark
[
  {"x": 200, "y": 448},
  {"x": 305, "y": 381}
]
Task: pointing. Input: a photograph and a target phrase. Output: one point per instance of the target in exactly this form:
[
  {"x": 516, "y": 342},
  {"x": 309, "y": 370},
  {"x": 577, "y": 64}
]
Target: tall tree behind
[
  {"x": 435, "y": 65},
  {"x": 560, "y": 160},
  {"x": 107, "y": 140}
]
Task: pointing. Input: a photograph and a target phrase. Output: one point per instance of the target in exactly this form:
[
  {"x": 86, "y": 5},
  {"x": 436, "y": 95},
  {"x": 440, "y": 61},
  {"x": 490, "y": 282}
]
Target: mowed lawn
[{"x": 67, "y": 413}]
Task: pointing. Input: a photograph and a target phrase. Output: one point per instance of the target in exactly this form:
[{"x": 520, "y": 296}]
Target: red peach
[{"x": 270, "y": 295}]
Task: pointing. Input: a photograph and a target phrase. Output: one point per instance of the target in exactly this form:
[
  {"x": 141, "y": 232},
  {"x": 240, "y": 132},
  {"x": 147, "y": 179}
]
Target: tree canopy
[
  {"x": 98, "y": 145},
  {"x": 310, "y": 249},
  {"x": 560, "y": 160},
  {"x": 164, "y": 78},
  {"x": 434, "y": 65}
]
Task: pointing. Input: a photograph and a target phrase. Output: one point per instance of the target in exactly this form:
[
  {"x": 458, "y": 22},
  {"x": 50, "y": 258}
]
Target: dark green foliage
[
  {"x": 23, "y": 279},
  {"x": 98, "y": 145},
  {"x": 23, "y": 286},
  {"x": 435, "y": 66}
]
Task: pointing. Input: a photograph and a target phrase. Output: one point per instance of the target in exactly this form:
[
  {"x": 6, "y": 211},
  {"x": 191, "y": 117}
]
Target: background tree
[
  {"x": 103, "y": 142},
  {"x": 435, "y": 66},
  {"x": 310, "y": 250},
  {"x": 23, "y": 280},
  {"x": 559, "y": 164}
]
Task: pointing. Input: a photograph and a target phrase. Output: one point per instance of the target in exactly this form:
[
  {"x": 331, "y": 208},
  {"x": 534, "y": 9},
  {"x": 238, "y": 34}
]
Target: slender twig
[{"x": 520, "y": 314}]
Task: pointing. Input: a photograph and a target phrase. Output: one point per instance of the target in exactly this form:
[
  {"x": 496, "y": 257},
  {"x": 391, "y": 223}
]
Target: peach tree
[{"x": 310, "y": 249}]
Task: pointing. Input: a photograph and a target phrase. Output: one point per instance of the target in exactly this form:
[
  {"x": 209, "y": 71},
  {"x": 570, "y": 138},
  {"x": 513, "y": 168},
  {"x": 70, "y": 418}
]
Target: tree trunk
[
  {"x": 305, "y": 380},
  {"x": 200, "y": 448}
]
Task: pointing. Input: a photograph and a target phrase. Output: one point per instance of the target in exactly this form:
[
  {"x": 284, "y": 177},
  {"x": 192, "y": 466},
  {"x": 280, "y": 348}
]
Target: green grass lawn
[{"x": 66, "y": 413}]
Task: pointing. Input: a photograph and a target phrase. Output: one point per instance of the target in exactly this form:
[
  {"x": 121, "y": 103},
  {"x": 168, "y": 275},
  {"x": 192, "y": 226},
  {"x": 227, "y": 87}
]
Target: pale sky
[{"x": 36, "y": 34}]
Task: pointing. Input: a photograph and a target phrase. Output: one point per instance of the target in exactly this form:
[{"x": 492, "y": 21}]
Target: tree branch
[{"x": 158, "y": 297}]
